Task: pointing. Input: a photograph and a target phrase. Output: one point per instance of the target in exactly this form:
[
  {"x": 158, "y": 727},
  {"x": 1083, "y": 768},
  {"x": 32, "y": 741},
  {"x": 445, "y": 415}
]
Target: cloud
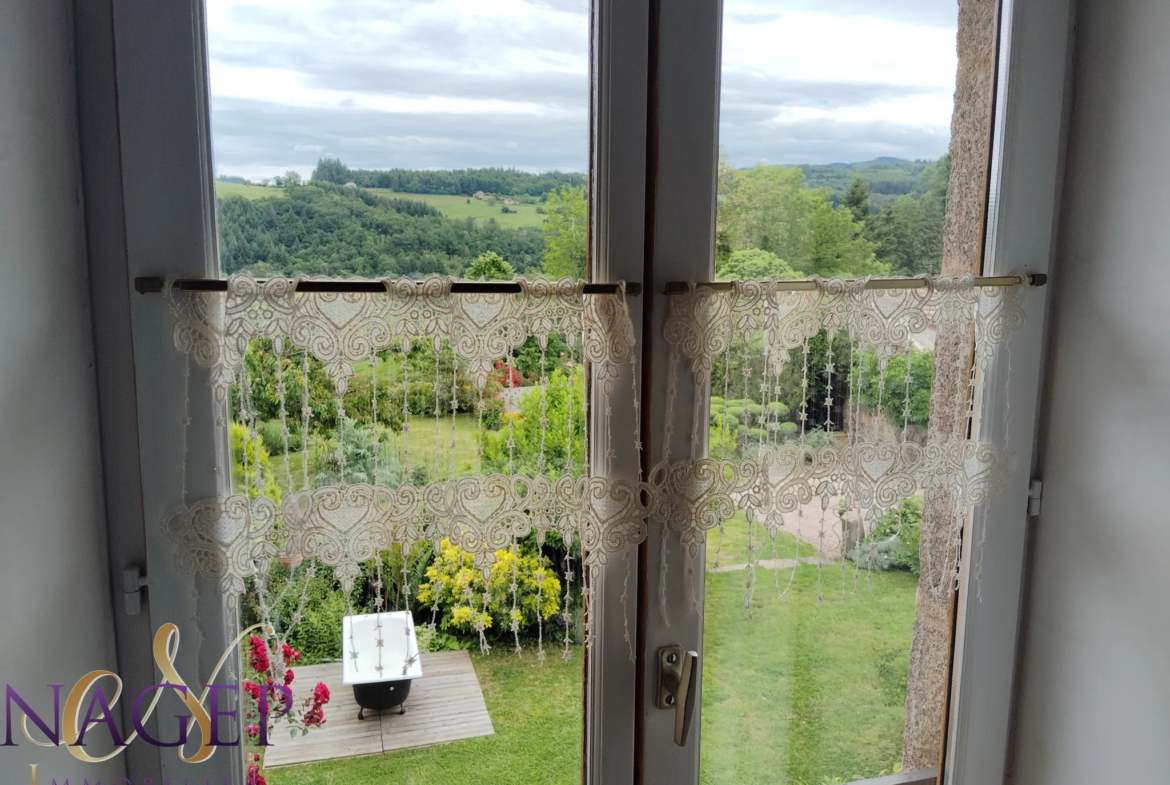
[{"x": 459, "y": 83}]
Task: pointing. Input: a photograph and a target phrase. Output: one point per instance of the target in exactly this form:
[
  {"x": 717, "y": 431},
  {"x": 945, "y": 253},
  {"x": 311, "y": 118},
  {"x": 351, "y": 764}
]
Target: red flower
[
  {"x": 259, "y": 657},
  {"x": 291, "y": 655},
  {"x": 252, "y": 690},
  {"x": 288, "y": 677},
  {"x": 254, "y": 775},
  {"x": 321, "y": 693},
  {"x": 253, "y": 731}
]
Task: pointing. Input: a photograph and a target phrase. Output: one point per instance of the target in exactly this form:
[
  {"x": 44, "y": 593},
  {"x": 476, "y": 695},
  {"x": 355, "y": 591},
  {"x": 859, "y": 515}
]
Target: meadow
[{"x": 451, "y": 206}]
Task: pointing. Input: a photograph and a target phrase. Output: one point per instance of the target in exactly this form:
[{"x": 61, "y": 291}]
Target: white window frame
[
  {"x": 1025, "y": 179},
  {"x": 655, "y": 146}
]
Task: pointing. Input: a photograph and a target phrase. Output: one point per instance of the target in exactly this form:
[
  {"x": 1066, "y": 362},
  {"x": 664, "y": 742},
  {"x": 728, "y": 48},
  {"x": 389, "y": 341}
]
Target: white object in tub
[{"x": 395, "y": 660}]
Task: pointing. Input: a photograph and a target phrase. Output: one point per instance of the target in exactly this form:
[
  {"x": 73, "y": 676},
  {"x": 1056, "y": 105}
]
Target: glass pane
[
  {"x": 834, "y": 131},
  {"x": 409, "y": 138}
]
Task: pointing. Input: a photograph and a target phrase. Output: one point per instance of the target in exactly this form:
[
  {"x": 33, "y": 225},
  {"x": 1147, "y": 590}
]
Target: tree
[
  {"x": 290, "y": 178},
  {"x": 490, "y": 266},
  {"x": 856, "y": 199},
  {"x": 754, "y": 264},
  {"x": 565, "y": 229},
  {"x": 560, "y": 440}
]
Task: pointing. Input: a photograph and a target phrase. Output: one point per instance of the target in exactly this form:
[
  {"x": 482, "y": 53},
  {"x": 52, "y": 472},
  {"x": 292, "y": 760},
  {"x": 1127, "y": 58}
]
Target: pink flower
[
  {"x": 253, "y": 731},
  {"x": 321, "y": 693}
]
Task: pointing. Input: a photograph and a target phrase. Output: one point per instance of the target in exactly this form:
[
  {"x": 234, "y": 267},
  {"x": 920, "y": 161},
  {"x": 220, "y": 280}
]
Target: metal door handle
[{"x": 678, "y": 676}]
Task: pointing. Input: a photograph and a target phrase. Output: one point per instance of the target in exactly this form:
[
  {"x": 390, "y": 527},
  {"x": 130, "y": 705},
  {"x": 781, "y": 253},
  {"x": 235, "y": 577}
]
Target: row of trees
[{"x": 464, "y": 182}]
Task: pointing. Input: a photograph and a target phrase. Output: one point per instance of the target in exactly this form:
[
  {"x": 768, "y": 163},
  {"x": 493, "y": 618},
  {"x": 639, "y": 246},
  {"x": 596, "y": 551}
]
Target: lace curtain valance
[
  {"x": 810, "y": 412},
  {"x": 826, "y": 469}
]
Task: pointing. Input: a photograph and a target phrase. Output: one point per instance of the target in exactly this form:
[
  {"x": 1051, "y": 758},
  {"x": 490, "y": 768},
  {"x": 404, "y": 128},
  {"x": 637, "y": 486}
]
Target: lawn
[
  {"x": 806, "y": 691},
  {"x": 731, "y": 545},
  {"x": 535, "y": 710},
  {"x": 450, "y": 206},
  {"x": 420, "y": 446}
]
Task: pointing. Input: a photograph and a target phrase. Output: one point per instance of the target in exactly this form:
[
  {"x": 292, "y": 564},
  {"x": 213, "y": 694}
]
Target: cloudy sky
[{"x": 465, "y": 83}]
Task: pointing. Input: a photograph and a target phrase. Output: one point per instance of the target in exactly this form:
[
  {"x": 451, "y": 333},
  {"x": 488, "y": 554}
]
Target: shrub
[
  {"x": 789, "y": 430},
  {"x": 720, "y": 448},
  {"x": 757, "y": 434},
  {"x": 249, "y": 447},
  {"x": 420, "y": 475},
  {"x": 270, "y": 433},
  {"x": 363, "y": 463},
  {"x": 716, "y": 402},
  {"x": 460, "y": 588},
  {"x": 895, "y": 541},
  {"x": 778, "y": 410}
]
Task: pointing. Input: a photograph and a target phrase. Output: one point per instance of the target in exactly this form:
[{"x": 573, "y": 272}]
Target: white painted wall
[
  {"x": 55, "y": 613},
  {"x": 1094, "y": 690}
]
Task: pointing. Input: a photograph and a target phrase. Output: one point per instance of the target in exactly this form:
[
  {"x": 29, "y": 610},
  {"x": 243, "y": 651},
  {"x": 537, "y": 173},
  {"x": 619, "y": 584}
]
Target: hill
[{"x": 325, "y": 229}]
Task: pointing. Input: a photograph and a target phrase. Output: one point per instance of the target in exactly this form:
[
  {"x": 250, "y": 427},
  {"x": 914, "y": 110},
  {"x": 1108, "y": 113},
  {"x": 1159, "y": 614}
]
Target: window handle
[{"x": 678, "y": 680}]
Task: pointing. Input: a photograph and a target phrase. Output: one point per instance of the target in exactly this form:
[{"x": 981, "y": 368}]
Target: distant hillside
[
  {"x": 458, "y": 182},
  {"x": 888, "y": 178}
]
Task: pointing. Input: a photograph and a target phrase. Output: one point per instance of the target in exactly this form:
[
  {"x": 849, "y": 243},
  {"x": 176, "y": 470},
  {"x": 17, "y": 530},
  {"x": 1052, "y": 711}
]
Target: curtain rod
[
  {"x": 1038, "y": 279},
  {"x": 155, "y": 284}
]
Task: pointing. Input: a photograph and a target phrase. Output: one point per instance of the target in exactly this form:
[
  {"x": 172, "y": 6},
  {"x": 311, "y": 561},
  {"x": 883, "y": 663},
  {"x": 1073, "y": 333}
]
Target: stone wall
[{"x": 971, "y": 126}]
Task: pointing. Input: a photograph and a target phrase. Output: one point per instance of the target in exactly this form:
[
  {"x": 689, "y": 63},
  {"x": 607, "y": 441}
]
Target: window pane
[
  {"x": 410, "y": 138},
  {"x": 834, "y": 130}
]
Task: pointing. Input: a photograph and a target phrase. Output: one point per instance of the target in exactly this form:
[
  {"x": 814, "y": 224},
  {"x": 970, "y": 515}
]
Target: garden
[{"x": 808, "y": 691}]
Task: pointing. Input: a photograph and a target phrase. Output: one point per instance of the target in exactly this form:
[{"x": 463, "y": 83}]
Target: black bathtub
[{"x": 386, "y": 662}]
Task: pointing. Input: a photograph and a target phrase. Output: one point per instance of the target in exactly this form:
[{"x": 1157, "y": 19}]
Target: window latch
[
  {"x": 133, "y": 582},
  {"x": 678, "y": 680}
]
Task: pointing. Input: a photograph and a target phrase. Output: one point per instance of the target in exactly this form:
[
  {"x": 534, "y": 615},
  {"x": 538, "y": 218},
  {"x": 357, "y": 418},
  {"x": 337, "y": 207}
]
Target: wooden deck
[{"x": 445, "y": 705}]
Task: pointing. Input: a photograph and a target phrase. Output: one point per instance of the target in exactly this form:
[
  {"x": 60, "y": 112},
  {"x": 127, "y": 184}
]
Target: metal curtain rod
[
  {"x": 155, "y": 284},
  {"x": 1037, "y": 279}
]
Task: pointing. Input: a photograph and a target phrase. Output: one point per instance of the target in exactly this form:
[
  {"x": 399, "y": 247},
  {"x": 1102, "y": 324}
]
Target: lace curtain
[
  {"x": 816, "y": 426},
  {"x": 418, "y": 357},
  {"x": 818, "y": 417}
]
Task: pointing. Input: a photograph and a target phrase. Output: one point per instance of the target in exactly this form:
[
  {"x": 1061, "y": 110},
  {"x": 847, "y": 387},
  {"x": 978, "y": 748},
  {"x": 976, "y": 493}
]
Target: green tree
[
  {"x": 490, "y": 266},
  {"x": 560, "y": 439},
  {"x": 565, "y": 229},
  {"x": 856, "y": 199},
  {"x": 771, "y": 208},
  {"x": 753, "y": 264}
]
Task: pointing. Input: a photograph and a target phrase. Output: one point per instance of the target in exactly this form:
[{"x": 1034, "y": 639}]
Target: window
[{"x": 168, "y": 176}]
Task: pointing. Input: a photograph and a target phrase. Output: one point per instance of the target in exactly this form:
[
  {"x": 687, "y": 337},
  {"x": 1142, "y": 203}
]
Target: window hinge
[
  {"x": 1035, "y": 495},
  {"x": 133, "y": 582}
]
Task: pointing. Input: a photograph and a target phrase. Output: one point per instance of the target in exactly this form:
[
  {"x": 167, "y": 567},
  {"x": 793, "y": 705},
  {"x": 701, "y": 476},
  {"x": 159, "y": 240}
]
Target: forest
[{"x": 771, "y": 222}]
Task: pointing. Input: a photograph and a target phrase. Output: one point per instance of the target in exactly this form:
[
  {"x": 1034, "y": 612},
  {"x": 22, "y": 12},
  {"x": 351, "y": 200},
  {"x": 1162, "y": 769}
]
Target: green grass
[
  {"x": 802, "y": 693},
  {"x": 450, "y": 206},
  {"x": 535, "y": 710},
  {"x": 731, "y": 547},
  {"x": 420, "y": 445},
  {"x": 251, "y": 192},
  {"x": 461, "y": 207}
]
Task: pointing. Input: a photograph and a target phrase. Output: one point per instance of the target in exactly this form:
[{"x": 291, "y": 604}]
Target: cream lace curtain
[
  {"x": 341, "y": 524},
  {"x": 791, "y": 462},
  {"x": 815, "y": 468}
]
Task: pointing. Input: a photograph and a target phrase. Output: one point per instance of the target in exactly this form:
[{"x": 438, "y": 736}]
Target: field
[
  {"x": 806, "y": 692},
  {"x": 246, "y": 191},
  {"x": 470, "y": 207},
  {"x": 451, "y": 206}
]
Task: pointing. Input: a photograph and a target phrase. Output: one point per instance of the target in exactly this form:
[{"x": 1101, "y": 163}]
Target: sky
[{"x": 441, "y": 84}]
